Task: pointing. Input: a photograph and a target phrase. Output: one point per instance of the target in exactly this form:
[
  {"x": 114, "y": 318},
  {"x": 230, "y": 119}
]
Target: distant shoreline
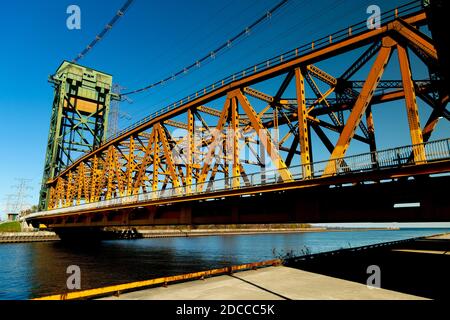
[
  {"x": 46, "y": 236},
  {"x": 222, "y": 232}
]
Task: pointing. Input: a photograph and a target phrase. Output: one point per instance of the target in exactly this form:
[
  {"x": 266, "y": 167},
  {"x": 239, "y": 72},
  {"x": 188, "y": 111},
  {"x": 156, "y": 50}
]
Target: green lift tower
[{"x": 79, "y": 119}]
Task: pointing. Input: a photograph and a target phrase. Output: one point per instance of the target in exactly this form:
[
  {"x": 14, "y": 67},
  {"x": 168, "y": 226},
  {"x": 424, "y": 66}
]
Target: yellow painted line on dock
[{"x": 117, "y": 289}]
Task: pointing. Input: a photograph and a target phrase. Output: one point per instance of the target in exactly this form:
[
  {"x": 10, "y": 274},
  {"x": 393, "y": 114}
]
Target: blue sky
[{"x": 153, "y": 40}]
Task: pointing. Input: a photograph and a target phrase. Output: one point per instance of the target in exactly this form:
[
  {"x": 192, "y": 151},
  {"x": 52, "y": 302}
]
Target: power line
[
  {"x": 291, "y": 7},
  {"x": 277, "y": 15},
  {"x": 188, "y": 39},
  {"x": 105, "y": 30},
  {"x": 228, "y": 79},
  {"x": 115, "y": 113},
  {"x": 204, "y": 82},
  {"x": 211, "y": 55}
]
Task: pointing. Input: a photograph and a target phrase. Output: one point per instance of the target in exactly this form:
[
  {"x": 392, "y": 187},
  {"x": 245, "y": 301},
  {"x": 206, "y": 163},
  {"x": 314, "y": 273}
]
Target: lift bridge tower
[{"x": 79, "y": 119}]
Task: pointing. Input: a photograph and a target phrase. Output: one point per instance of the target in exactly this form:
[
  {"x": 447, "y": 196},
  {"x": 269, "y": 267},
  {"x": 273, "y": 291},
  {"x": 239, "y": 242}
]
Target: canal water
[{"x": 29, "y": 270}]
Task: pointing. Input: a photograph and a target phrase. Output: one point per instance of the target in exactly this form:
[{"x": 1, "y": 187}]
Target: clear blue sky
[{"x": 154, "y": 39}]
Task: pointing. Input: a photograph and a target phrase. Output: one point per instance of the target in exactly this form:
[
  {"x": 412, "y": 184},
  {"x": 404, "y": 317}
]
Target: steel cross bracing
[{"x": 233, "y": 131}]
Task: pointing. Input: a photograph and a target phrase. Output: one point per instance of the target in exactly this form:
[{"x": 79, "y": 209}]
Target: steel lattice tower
[{"x": 79, "y": 118}]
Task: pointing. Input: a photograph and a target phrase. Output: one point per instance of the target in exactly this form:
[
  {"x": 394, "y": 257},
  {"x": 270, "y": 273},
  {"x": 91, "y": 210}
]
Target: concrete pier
[
  {"x": 272, "y": 283},
  {"x": 20, "y": 237}
]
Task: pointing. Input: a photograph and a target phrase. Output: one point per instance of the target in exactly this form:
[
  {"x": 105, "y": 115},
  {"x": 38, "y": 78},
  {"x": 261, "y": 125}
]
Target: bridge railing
[
  {"x": 389, "y": 158},
  {"x": 353, "y": 30},
  {"x": 379, "y": 160}
]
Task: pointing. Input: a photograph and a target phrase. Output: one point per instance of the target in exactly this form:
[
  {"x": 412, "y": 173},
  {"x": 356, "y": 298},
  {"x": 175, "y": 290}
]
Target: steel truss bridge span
[
  {"x": 271, "y": 132},
  {"x": 390, "y": 167}
]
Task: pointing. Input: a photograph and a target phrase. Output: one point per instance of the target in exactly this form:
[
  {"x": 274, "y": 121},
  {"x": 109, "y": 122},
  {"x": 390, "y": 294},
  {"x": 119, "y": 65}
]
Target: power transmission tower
[
  {"x": 17, "y": 200},
  {"x": 115, "y": 112}
]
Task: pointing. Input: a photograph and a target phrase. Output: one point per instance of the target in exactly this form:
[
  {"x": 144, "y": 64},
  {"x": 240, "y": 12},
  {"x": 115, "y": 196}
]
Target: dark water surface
[{"x": 30, "y": 270}]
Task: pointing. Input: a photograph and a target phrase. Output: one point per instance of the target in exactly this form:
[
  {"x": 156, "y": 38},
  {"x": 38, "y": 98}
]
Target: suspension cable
[
  {"x": 211, "y": 55},
  {"x": 105, "y": 30}
]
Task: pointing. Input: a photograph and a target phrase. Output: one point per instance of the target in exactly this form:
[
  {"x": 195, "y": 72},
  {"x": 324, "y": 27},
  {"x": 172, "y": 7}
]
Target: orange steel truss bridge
[{"x": 230, "y": 153}]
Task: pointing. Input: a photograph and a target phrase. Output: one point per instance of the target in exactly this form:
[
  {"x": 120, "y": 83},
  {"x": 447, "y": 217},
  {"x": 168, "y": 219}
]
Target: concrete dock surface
[
  {"x": 272, "y": 283},
  {"x": 419, "y": 267},
  {"x": 410, "y": 270}
]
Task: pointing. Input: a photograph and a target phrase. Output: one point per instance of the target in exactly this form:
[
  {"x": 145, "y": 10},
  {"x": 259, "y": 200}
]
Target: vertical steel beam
[
  {"x": 130, "y": 167},
  {"x": 60, "y": 193},
  {"x": 235, "y": 135},
  {"x": 262, "y": 157},
  {"x": 52, "y": 198},
  {"x": 86, "y": 184},
  {"x": 69, "y": 190},
  {"x": 101, "y": 179},
  {"x": 190, "y": 151},
  {"x": 371, "y": 135},
  {"x": 119, "y": 173},
  {"x": 226, "y": 163},
  {"x": 411, "y": 105},
  {"x": 94, "y": 178},
  {"x": 80, "y": 183},
  {"x": 303, "y": 131},
  {"x": 156, "y": 161},
  {"x": 110, "y": 172}
]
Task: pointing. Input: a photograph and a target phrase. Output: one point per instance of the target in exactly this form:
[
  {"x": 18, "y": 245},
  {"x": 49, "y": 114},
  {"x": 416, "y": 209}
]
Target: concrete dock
[
  {"x": 419, "y": 267},
  {"x": 272, "y": 283},
  {"x": 21, "y": 237}
]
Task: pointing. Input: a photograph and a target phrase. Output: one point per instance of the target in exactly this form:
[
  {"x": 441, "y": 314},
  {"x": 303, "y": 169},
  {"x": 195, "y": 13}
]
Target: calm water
[{"x": 36, "y": 269}]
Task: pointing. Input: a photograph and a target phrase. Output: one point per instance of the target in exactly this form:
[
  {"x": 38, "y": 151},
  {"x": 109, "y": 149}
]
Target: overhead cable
[
  {"x": 105, "y": 30},
  {"x": 212, "y": 54}
]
